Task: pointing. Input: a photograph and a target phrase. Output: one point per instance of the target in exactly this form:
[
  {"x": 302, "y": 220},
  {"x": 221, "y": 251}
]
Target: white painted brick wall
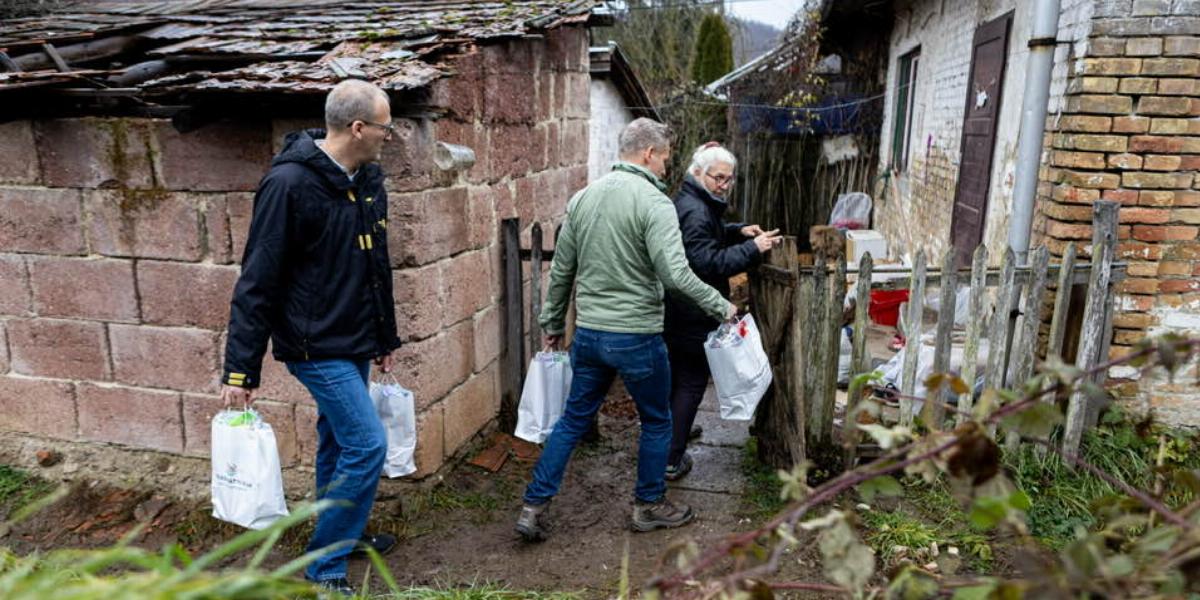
[
  {"x": 918, "y": 209},
  {"x": 608, "y": 117}
]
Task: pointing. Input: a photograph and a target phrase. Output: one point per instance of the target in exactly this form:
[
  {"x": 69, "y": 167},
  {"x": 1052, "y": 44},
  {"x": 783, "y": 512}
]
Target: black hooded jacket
[
  {"x": 316, "y": 278},
  {"x": 716, "y": 251}
]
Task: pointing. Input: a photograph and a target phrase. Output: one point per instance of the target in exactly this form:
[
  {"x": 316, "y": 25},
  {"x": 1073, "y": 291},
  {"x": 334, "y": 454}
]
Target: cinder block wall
[
  {"x": 120, "y": 241},
  {"x": 1129, "y": 131}
]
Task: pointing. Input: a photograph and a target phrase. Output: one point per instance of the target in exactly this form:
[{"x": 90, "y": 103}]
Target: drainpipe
[{"x": 1042, "y": 40}]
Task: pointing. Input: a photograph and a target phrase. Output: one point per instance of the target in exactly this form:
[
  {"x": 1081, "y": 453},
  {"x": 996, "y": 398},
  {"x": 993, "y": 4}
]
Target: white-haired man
[
  {"x": 316, "y": 280},
  {"x": 716, "y": 251},
  {"x": 619, "y": 248}
]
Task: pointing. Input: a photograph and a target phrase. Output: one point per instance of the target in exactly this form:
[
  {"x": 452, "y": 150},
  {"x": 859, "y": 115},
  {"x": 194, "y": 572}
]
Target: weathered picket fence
[{"x": 799, "y": 309}]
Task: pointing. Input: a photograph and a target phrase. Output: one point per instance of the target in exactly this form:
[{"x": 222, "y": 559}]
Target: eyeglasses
[
  {"x": 720, "y": 179},
  {"x": 389, "y": 127}
]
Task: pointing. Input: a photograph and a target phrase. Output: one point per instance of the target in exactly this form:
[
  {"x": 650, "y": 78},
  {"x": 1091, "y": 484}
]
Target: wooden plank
[
  {"x": 998, "y": 332},
  {"x": 934, "y": 412},
  {"x": 1093, "y": 413},
  {"x": 859, "y": 361},
  {"x": 833, "y": 340},
  {"x": 997, "y": 363},
  {"x": 1024, "y": 349},
  {"x": 535, "y": 286},
  {"x": 513, "y": 349},
  {"x": 796, "y": 353},
  {"x": 1062, "y": 299},
  {"x": 978, "y": 308},
  {"x": 816, "y": 315},
  {"x": 912, "y": 337},
  {"x": 1104, "y": 242}
]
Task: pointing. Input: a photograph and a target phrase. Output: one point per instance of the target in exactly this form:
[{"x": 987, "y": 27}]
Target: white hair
[
  {"x": 705, "y": 157},
  {"x": 351, "y": 100}
]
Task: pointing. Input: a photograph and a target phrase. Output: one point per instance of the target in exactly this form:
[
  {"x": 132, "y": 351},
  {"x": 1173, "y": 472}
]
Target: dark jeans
[
  {"x": 689, "y": 379},
  {"x": 596, "y": 358},
  {"x": 351, "y": 447}
]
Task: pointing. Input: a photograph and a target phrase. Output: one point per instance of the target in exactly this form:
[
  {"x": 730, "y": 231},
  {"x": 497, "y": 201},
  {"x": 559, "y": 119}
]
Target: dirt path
[{"x": 589, "y": 518}]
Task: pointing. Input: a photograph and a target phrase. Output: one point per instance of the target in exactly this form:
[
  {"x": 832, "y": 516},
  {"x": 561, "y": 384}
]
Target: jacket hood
[{"x": 301, "y": 147}]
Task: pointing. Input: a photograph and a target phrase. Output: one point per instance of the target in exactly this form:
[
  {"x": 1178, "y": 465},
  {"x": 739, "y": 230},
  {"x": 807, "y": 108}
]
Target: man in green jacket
[{"x": 620, "y": 247}]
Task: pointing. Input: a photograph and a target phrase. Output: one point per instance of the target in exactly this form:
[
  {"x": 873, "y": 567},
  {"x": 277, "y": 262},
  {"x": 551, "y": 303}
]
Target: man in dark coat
[
  {"x": 716, "y": 251},
  {"x": 316, "y": 280}
]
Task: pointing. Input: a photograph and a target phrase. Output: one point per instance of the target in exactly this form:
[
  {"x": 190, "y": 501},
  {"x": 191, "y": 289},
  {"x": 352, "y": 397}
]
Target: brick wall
[
  {"x": 914, "y": 209},
  {"x": 1128, "y": 129},
  {"x": 120, "y": 238}
]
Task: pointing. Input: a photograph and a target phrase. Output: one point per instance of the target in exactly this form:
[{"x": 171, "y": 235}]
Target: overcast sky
[{"x": 772, "y": 12}]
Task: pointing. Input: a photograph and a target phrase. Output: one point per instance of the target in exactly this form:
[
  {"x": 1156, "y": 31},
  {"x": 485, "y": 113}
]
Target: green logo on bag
[{"x": 231, "y": 470}]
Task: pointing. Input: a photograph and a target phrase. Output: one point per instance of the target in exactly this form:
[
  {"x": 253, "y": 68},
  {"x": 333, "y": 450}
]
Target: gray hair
[
  {"x": 643, "y": 133},
  {"x": 706, "y": 156},
  {"x": 351, "y": 100}
]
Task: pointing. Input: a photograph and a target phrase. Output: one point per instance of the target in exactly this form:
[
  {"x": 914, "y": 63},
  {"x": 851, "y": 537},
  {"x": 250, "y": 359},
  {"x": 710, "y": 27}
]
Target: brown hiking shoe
[
  {"x": 648, "y": 516},
  {"x": 529, "y": 523}
]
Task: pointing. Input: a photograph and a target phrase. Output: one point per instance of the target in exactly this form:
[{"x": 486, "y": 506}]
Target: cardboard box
[{"x": 862, "y": 241}]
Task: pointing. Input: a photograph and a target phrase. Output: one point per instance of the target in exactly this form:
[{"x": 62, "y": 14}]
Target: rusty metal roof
[{"x": 258, "y": 45}]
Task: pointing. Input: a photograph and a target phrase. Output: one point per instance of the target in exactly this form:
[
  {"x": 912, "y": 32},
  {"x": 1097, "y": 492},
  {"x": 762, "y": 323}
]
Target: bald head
[{"x": 352, "y": 100}]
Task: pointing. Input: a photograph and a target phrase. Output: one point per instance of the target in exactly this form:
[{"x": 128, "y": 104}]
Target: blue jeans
[
  {"x": 351, "y": 448},
  {"x": 596, "y": 358}
]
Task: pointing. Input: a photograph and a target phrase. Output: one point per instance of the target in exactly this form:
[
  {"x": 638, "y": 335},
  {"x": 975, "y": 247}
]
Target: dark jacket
[
  {"x": 316, "y": 278},
  {"x": 716, "y": 251}
]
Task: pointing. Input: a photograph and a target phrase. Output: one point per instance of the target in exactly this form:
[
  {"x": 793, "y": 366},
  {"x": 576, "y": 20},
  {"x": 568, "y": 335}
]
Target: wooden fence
[
  {"x": 799, "y": 309},
  {"x": 515, "y": 353}
]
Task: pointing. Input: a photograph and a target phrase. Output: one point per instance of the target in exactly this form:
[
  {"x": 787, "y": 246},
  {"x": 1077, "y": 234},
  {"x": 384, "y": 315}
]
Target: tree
[{"x": 713, "y": 51}]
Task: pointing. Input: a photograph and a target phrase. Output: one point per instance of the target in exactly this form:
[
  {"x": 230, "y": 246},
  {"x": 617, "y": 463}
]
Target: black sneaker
[
  {"x": 675, "y": 472},
  {"x": 340, "y": 586},
  {"x": 381, "y": 542},
  {"x": 648, "y": 516},
  {"x": 529, "y": 523}
]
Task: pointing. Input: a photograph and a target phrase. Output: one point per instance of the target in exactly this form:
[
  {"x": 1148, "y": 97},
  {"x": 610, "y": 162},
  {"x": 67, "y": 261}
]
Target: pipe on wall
[{"x": 1034, "y": 106}]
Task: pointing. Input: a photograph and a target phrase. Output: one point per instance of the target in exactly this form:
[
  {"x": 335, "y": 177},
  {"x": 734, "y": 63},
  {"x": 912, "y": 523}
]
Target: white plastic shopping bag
[
  {"x": 247, "y": 483},
  {"x": 543, "y": 397},
  {"x": 395, "y": 407},
  {"x": 740, "y": 369}
]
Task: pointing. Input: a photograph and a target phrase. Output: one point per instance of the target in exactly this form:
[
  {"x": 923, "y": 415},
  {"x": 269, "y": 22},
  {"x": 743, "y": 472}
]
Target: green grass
[
  {"x": 1064, "y": 499},
  {"x": 125, "y": 571},
  {"x": 761, "y": 495},
  {"x": 478, "y": 592},
  {"x": 929, "y": 514},
  {"x": 19, "y": 488}
]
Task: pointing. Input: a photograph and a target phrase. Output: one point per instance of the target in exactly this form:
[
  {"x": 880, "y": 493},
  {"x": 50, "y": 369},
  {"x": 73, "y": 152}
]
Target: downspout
[{"x": 1034, "y": 105}]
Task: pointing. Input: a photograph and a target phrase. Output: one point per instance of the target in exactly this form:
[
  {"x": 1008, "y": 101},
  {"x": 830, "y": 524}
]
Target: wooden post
[
  {"x": 795, "y": 356},
  {"x": 535, "y": 286},
  {"x": 816, "y": 366},
  {"x": 1024, "y": 349},
  {"x": 775, "y": 420},
  {"x": 912, "y": 338},
  {"x": 1062, "y": 299},
  {"x": 833, "y": 348},
  {"x": 934, "y": 413},
  {"x": 859, "y": 360},
  {"x": 978, "y": 309},
  {"x": 1104, "y": 242},
  {"x": 513, "y": 350},
  {"x": 998, "y": 332}
]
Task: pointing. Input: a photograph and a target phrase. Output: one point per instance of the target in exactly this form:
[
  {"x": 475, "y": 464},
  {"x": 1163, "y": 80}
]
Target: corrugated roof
[{"x": 260, "y": 45}]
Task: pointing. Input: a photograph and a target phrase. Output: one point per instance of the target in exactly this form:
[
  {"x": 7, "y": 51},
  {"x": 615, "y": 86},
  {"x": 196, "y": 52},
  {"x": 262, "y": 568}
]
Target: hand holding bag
[
  {"x": 247, "y": 483},
  {"x": 543, "y": 396}
]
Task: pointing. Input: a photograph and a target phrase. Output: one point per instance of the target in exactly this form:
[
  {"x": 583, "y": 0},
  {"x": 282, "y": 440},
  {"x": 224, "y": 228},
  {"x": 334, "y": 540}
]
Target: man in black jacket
[
  {"x": 316, "y": 280},
  {"x": 716, "y": 251}
]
